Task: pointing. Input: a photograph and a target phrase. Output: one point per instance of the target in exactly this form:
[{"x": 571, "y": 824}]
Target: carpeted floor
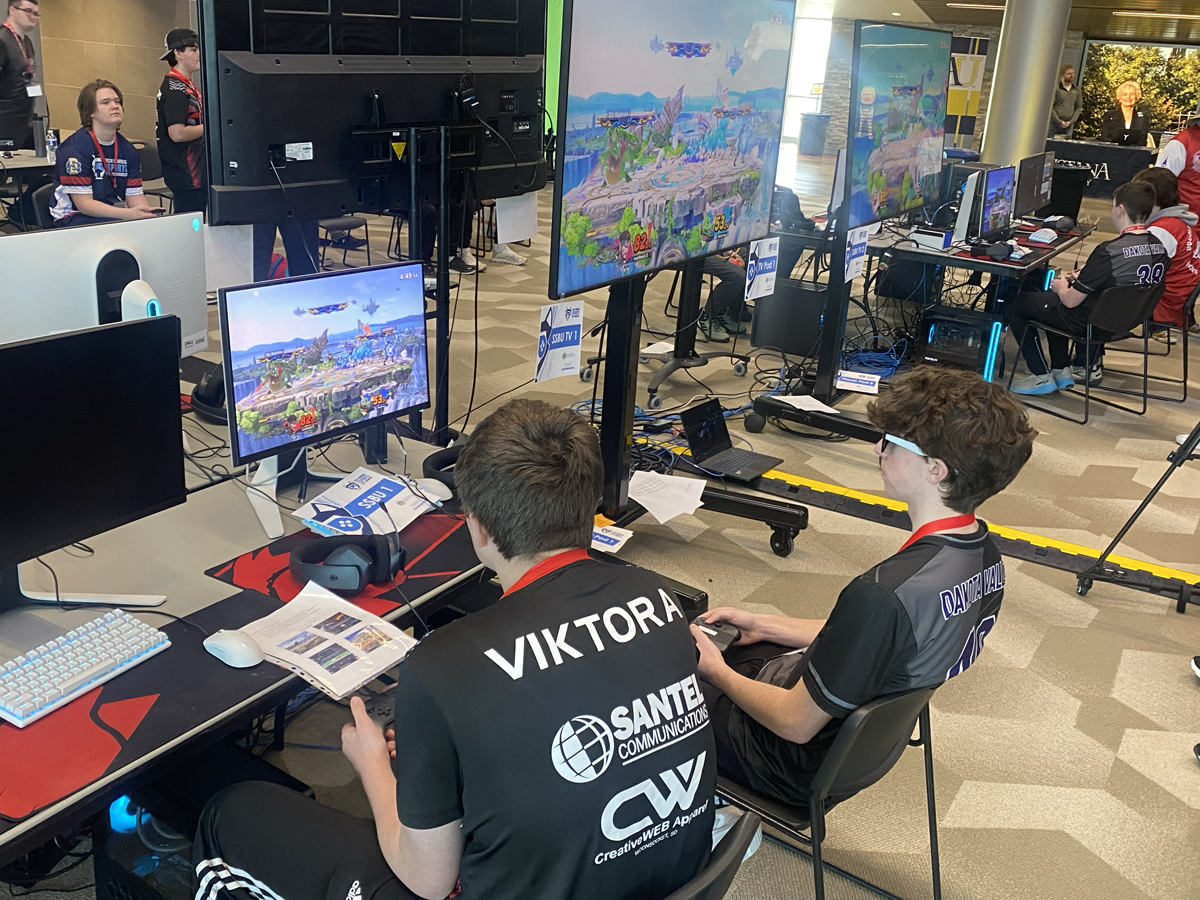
[{"x": 1064, "y": 760}]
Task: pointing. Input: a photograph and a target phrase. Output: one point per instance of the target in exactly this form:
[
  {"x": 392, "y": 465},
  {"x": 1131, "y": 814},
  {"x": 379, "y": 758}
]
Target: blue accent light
[
  {"x": 993, "y": 346},
  {"x": 196, "y": 224},
  {"x": 121, "y": 818},
  {"x": 153, "y": 309}
]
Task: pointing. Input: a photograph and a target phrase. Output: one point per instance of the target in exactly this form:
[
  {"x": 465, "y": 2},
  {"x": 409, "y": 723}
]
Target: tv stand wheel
[
  {"x": 655, "y": 402},
  {"x": 587, "y": 374},
  {"x": 755, "y": 423},
  {"x": 1084, "y": 585},
  {"x": 739, "y": 368},
  {"x": 782, "y": 541}
]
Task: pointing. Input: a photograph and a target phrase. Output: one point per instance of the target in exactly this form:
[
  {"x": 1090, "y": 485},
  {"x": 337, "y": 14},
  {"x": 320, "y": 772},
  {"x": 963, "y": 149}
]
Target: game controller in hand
[{"x": 720, "y": 633}]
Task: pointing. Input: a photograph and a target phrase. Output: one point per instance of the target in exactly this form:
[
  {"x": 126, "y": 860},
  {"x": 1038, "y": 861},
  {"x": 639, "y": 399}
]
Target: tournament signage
[
  {"x": 559, "y": 340},
  {"x": 968, "y": 63},
  {"x": 762, "y": 268}
]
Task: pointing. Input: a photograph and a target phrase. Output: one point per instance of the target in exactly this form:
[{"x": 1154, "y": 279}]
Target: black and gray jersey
[{"x": 1135, "y": 257}]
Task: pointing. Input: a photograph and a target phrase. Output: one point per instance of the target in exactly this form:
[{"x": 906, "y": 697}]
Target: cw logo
[{"x": 678, "y": 795}]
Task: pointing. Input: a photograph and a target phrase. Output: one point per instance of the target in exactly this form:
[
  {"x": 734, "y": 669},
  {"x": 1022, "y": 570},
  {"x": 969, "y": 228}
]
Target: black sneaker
[
  {"x": 349, "y": 242},
  {"x": 462, "y": 267},
  {"x": 1196, "y": 750},
  {"x": 1196, "y": 665}
]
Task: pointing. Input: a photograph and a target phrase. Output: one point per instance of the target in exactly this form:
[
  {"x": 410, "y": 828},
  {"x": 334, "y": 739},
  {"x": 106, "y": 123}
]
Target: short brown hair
[
  {"x": 975, "y": 427},
  {"x": 1138, "y": 199},
  {"x": 87, "y": 100},
  {"x": 1165, "y": 184},
  {"x": 1064, "y": 70},
  {"x": 531, "y": 474}
]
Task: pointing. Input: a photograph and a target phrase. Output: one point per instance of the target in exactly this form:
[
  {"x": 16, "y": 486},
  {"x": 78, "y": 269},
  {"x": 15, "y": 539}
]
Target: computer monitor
[
  {"x": 672, "y": 113},
  {"x": 996, "y": 201},
  {"x": 99, "y": 441},
  {"x": 49, "y": 282},
  {"x": 308, "y": 359},
  {"x": 1033, "y": 187}
]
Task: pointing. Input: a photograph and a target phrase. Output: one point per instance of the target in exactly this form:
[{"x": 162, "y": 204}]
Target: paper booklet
[
  {"x": 329, "y": 642},
  {"x": 352, "y": 506}
]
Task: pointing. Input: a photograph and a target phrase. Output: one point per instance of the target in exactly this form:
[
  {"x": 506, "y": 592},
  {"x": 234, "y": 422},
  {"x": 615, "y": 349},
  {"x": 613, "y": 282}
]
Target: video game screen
[
  {"x": 896, "y": 155},
  {"x": 312, "y": 357},
  {"x": 996, "y": 212},
  {"x": 670, "y": 131}
]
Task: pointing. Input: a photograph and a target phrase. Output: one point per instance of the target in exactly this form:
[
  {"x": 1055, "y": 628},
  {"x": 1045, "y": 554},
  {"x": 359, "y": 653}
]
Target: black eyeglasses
[{"x": 33, "y": 12}]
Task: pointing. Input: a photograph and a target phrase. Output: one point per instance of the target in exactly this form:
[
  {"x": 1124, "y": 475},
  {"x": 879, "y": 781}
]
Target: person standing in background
[
  {"x": 17, "y": 85},
  {"x": 1182, "y": 156},
  {"x": 1068, "y": 104},
  {"x": 180, "y": 128}
]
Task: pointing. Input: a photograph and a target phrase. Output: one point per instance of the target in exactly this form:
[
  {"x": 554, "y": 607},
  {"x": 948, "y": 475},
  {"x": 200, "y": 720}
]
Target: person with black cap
[{"x": 180, "y": 116}]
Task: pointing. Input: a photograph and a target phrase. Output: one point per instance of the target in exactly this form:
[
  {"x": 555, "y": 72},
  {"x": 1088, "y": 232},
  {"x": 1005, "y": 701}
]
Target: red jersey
[
  {"x": 1189, "y": 161},
  {"x": 1180, "y": 239}
]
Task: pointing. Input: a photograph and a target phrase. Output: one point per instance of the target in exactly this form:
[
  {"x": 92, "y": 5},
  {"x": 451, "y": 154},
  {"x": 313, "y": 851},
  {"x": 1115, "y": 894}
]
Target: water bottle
[{"x": 51, "y": 146}]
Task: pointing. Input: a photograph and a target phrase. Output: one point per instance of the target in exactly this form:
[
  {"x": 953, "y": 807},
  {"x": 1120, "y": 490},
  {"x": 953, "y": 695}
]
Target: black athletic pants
[
  {"x": 299, "y": 244},
  {"x": 190, "y": 200},
  {"x": 1028, "y": 309},
  {"x": 259, "y": 841},
  {"x": 730, "y": 290}
]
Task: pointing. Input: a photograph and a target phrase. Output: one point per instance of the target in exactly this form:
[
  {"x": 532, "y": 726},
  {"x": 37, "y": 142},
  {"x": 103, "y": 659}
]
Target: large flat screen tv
[
  {"x": 671, "y": 113},
  {"x": 897, "y": 119}
]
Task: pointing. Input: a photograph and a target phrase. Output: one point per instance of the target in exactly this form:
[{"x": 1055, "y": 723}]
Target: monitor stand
[
  {"x": 12, "y": 595},
  {"x": 268, "y": 481}
]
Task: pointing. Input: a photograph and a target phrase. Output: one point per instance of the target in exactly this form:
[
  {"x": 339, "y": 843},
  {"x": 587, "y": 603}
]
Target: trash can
[{"x": 813, "y": 127}]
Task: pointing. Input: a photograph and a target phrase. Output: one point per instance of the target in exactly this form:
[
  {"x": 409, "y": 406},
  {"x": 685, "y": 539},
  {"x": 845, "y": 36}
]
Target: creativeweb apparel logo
[{"x": 582, "y": 749}]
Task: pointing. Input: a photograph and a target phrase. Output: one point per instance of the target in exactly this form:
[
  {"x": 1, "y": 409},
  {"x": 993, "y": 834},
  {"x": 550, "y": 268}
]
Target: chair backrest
[
  {"x": 1119, "y": 310},
  {"x": 868, "y": 744},
  {"x": 41, "y": 200},
  {"x": 713, "y": 881},
  {"x": 1190, "y": 306},
  {"x": 151, "y": 163}
]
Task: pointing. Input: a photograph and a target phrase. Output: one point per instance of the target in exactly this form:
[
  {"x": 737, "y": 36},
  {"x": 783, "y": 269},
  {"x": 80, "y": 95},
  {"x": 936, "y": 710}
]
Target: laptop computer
[{"x": 712, "y": 449}]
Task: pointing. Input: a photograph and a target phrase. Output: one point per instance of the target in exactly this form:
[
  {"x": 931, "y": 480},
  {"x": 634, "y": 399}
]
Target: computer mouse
[
  {"x": 234, "y": 648},
  {"x": 433, "y": 489}
]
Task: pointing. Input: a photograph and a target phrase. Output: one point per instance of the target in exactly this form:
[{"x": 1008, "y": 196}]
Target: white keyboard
[
  {"x": 55, "y": 673},
  {"x": 1044, "y": 236}
]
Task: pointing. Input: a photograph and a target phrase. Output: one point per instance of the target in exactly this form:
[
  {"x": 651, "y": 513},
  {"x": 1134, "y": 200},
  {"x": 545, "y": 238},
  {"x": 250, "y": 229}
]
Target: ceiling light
[
  {"x": 1133, "y": 14},
  {"x": 976, "y": 6}
]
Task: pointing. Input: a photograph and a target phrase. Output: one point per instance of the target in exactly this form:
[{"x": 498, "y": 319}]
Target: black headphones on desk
[
  {"x": 347, "y": 564},
  {"x": 439, "y": 465}
]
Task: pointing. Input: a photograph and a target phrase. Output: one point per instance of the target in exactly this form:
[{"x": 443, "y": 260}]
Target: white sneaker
[
  {"x": 724, "y": 820},
  {"x": 1179, "y": 439},
  {"x": 502, "y": 253},
  {"x": 469, "y": 260}
]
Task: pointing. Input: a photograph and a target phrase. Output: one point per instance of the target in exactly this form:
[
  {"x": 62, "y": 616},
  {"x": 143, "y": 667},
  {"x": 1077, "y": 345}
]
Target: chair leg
[
  {"x": 818, "y": 833},
  {"x": 935, "y": 858},
  {"x": 367, "y": 232}
]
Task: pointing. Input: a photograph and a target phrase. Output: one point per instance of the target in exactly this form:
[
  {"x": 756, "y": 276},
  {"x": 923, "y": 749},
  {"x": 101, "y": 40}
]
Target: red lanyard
[
  {"x": 939, "y": 525},
  {"x": 21, "y": 44},
  {"x": 191, "y": 88},
  {"x": 100, "y": 149},
  {"x": 1138, "y": 228}
]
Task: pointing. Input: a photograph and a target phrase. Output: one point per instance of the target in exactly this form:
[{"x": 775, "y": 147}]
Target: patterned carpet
[{"x": 1064, "y": 758}]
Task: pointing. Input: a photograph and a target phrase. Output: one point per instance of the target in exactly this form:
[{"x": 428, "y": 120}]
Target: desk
[
  {"x": 1112, "y": 165},
  {"x": 181, "y": 698},
  {"x": 21, "y": 167}
]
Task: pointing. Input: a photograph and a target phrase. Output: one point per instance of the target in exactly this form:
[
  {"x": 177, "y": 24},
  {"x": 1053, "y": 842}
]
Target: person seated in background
[
  {"x": 523, "y": 764},
  {"x": 1134, "y": 257},
  {"x": 778, "y": 696},
  {"x": 1173, "y": 224},
  {"x": 1127, "y": 122},
  {"x": 98, "y": 175},
  {"x": 722, "y": 315}
]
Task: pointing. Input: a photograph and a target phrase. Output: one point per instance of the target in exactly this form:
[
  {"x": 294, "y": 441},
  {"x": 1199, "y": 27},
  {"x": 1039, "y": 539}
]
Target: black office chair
[
  {"x": 1188, "y": 309},
  {"x": 42, "y": 198},
  {"x": 713, "y": 881},
  {"x": 153, "y": 184},
  {"x": 1119, "y": 312},
  {"x": 867, "y": 745}
]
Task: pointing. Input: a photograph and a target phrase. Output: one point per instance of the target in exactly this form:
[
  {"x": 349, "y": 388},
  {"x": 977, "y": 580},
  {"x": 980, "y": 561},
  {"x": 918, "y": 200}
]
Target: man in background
[
  {"x": 1068, "y": 104},
  {"x": 1181, "y": 155},
  {"x": 17, "y": 86},
  {"x": 180, "y": 118}
]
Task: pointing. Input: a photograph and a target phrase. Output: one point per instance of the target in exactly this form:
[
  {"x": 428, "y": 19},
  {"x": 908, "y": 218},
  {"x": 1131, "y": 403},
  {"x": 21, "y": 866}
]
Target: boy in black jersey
[
  {"x": 179, "y": 115},
  {"x": 553, "y": 745},
  {"x": 915, "y": 620},
  {"x": 1135, "y": 256}
]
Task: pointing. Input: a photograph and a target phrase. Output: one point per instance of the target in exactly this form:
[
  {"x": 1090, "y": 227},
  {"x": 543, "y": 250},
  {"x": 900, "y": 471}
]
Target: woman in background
[{"x": 1127, "y": 122}]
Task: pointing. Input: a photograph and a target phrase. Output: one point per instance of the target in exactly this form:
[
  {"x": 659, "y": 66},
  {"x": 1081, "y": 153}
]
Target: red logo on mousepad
[{"x": 266, "y": 569}]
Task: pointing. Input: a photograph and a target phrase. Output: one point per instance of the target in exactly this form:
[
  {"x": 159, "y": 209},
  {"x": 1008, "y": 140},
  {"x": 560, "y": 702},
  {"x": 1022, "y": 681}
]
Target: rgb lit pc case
[
  {"x": 309, "y": 359},
  {"x": 670, "y": 115},
  {"x": 962, "y": 338},
  {"x": 899, "y": 84}
]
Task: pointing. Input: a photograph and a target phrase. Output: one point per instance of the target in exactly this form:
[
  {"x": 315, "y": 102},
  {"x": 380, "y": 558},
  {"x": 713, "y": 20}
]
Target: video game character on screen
[
  {"x": 672, "y": 133},
  {"x": 303, "y": 365},
  {"x": 903, "y": 74}
]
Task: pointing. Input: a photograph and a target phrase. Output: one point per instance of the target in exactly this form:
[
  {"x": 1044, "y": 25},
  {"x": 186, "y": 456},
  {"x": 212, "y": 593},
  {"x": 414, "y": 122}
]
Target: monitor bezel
[
  {"x": 983, "y": 191},
  {"x": 238, "y": 458},
  {"x": 564, "y": 84},
  {"x": 859, "y": 24},
  {"x": 1041, "y": 158}
]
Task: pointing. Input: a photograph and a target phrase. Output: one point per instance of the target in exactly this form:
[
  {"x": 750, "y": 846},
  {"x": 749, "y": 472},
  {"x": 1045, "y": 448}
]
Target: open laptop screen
[{"x": 706, "y": 431}]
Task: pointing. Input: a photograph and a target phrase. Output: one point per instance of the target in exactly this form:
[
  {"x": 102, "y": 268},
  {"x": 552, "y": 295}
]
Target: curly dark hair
[
  {"x": 531, "y": 473},
  {"x": 975, "y": 427}
]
